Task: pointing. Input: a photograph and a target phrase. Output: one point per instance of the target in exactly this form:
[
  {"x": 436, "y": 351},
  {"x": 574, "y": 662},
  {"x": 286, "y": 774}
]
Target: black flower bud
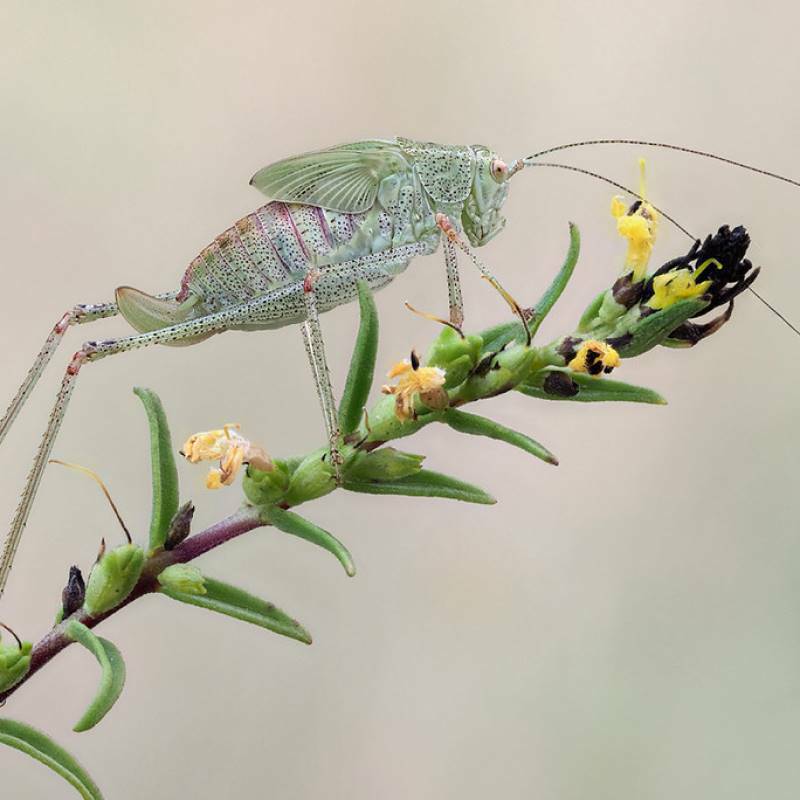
[{"x": 73, "y": 594}]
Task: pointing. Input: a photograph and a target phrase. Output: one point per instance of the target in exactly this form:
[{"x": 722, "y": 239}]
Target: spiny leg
[
  {"x": 93, "y": 351},
  {"x": 315, "y": 348},
  {"x": 75, "y": 316},
  {"x": 453, "y": 284}
]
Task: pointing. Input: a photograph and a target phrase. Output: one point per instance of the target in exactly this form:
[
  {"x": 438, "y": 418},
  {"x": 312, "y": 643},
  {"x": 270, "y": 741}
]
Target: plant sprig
[{"x": 636, "y": 314}]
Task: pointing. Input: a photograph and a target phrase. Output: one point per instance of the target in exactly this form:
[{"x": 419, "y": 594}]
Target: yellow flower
[
  {"x": 595, "y": 357},
  {"x": 638, "y": 225},
  {"x": 414, "y": 380},
  {"x": 232, "y": 450},
  {"x": 679, "y": 284}
]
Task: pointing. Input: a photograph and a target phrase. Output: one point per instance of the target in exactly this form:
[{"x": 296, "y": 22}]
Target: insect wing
[{"x": 343, "y": 178}]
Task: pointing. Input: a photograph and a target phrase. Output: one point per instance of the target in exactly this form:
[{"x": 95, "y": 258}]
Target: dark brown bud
[
  {"x": 560, "y": 384},
  {"x": 626, "y": 292},
  {"x": 690, "y": 333},
  {"x": 568, "y": 348},
  {"x": 180, "y": 526},
  {"x": 73, "y": 594}
]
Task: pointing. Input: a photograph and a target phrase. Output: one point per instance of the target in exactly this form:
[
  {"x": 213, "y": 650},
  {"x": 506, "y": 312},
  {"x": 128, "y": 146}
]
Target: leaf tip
[{"x": 305, "y": 637}]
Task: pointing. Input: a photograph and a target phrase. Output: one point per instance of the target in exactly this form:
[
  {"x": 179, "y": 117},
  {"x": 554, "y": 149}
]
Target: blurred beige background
[{"x": 624, "y": 626}]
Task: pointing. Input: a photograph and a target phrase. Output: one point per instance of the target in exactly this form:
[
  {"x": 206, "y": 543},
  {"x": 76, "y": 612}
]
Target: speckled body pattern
[{"x": 273, "y": 249}]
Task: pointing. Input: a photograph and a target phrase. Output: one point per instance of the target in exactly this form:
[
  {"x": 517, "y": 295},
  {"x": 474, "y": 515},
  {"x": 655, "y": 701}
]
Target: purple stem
[{"x": 243, "y": 521}]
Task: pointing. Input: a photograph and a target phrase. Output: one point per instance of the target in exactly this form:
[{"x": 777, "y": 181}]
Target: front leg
[{"x": 452, "y": 239}]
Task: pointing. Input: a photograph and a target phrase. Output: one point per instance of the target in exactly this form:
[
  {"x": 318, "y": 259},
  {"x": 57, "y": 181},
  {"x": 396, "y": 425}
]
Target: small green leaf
[
  {"x": 653, "y": 329},
  {"x": 313, "y": 477},
  {"x": 112, "y": 677},
  {"x": 362, "y": 363},
  {"x": 233, "y": 602},
  {"x": 592, "y": 389},
  {"x": 480, "y": 426},
  {"x": 589, "y": 316},
  {"x": 424, "y": 483},
  {"x": 113, "y": 578},
  {"x": 289, "y": 522},
  {"x": 41, "y": 747},
  {"x": 383, "y": 463},
  {"x": 498, "y": 336},
  {"x": 165, "y": 473},
  {"x": 554, "y": 291}
]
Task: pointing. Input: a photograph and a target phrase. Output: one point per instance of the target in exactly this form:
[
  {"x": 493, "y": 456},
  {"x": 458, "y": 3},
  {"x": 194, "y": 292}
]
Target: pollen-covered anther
[
  {"x": 414, "y": 381},
  {"x": 232, "y": 450},
  {"x": 638, "y": 225},
  {"x": 595, "y": 357},
  {"x": 680, "y": 284}
]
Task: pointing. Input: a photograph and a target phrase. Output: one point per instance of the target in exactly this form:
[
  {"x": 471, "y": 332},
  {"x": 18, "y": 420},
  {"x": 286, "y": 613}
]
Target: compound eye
[{"x": 499, "y": 170}]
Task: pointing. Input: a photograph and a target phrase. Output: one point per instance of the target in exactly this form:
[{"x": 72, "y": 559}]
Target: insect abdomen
[{"x": 274, "y": 245}]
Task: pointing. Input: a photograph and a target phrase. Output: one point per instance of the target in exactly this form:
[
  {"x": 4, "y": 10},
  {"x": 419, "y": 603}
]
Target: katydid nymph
[{"x": 356, "y": 212}]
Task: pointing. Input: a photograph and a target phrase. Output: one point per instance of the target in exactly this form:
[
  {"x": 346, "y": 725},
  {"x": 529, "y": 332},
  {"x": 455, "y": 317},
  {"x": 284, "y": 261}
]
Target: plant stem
[{"x": 55, "y": 640}]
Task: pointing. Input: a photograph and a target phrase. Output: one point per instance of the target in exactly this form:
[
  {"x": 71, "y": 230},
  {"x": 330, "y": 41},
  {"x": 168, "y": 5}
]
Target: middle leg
[{"x": 315, "y": 349}]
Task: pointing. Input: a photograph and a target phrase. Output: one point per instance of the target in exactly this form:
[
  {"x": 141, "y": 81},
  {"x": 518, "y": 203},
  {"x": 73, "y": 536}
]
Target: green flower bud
[
  {"x": 15, "y": 661},
  {"x": 499, "y": 372},
  {"x": 456, "y": 356},
  {"x": 383, "y": 464},
  {"x": 262, "y": 487},
  {"x": 113, "y": 577},
  {"x": 313, "y": 478},
  {"x": 183, "y": 578}
]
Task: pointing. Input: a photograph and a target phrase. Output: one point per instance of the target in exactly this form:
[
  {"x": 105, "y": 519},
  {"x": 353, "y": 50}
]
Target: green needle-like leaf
[
  {"x": 592, "y": 390},
  {"x": 165, "y": 473},
  {"x": 234, "y": 602},
  {"x": 362, "y": 363},
  {"x": 652, "y": 330},
  {"x": 424, "y": 483},
  {"x": 480, "y": 426},
  {"x": 554, "y": 291},
  {"x": 289, "y": 522},
  {"x": 497, "y": 337},
  {"x": 41, "y": 747},
  {"x": 112, "y": 677}
]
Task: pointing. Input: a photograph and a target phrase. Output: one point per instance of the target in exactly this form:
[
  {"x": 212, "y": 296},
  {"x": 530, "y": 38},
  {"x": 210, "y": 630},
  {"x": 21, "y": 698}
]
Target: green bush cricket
[{"x": 359, "y": 211}]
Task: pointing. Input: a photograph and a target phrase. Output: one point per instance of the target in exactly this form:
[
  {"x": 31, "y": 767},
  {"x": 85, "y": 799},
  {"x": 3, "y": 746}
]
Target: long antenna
[
  {"x": 526, "y": 162},
  {"x": 616, "y": 185},
  {"x": 691, "y": 150}
]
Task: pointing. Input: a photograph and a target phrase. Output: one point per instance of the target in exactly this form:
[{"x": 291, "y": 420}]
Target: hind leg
[
  {"x": 93, "y": 351},
  {"x": 75, "y": 316}
]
